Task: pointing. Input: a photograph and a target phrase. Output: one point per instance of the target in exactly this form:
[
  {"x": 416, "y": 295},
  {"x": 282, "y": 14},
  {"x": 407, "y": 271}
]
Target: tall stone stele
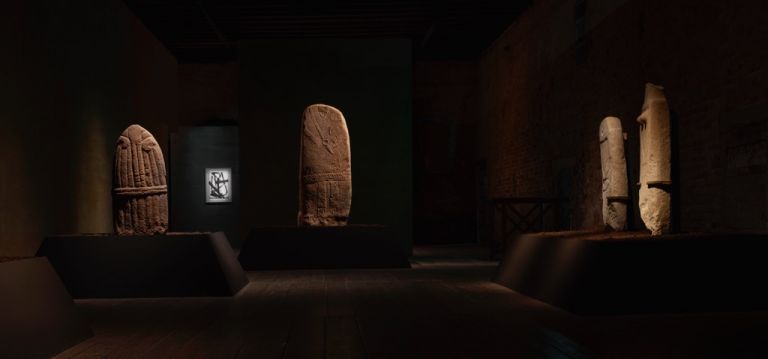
[
  {"x": 140, "y": 193},
  {"x": 614, "y": 168},
  {"x": 325, "y": 188},
  {"x": 655, "y": 161}
]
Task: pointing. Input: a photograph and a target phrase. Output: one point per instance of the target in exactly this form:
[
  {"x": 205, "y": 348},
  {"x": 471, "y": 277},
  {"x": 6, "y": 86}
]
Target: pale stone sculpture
[
  {"x": 140, "y": 194},
  {"x": 614, "y": 168},
  {"x": 325, "y": 189},
  {"x": 655, "y": 161}
]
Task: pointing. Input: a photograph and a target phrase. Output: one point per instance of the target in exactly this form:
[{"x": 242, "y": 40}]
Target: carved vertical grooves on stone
[
  {"x": 325, "y": 189},
  {"x": 655, "y": 161},
  {"x": 140, "y": 194},
  {"x": 614, "y": 169}
]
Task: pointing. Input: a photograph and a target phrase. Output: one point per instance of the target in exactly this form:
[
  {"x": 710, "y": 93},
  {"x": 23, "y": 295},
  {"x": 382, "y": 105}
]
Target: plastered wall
[{"x": 73, "y": 75}]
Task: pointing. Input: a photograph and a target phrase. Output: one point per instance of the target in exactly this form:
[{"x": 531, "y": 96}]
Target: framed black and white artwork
[{"x": 218, "y": 185}]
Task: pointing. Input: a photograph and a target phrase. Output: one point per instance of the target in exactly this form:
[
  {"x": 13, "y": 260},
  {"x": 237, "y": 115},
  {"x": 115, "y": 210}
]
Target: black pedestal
[
  {"x": 38, "y": 318},
  {"x": 624, "y": 273},
  {"x": 170, "y": 265},
  {"x": 354, "y": 246}
]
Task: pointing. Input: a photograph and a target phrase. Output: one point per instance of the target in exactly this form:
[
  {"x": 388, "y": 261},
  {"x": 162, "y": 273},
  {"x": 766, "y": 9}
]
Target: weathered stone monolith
[
  {"x": 140, "y": 193},
  {"x": 614, "y": 168},
  {"x": 325, "y": 189},
  {"x": 655, "y": 161}
]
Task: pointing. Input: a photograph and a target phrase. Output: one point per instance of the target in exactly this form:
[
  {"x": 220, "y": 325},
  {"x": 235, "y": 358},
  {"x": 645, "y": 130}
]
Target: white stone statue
[
  {"x": 614, "y": 168},
  {"x": 655, "y": 161}
]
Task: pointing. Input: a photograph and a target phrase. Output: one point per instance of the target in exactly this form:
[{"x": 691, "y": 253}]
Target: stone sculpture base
[
  {"x": 39, "y": 318},
  {"x": 170, "y": 265},
  {"x": 631, "y": 272},
  {"x": 352, "y": 246}
]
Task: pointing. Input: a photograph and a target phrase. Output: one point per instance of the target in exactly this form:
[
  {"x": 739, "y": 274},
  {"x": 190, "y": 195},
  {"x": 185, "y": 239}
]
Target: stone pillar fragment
[
  {"x": 614, "y": 168},
  {"x": 325, "y": 189},
  {"x": 140, "y": 191},
  {"x": 655, "y": 161}
]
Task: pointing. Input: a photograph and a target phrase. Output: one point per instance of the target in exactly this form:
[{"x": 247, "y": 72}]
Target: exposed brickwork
[
  {"x": 208, "y": 92},
  {"x": 444, "y": 102},
  {"x": 543, "y": 93}
]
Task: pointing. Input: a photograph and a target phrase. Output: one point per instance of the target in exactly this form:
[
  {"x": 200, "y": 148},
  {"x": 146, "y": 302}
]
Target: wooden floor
[{"x": 445, "y": 307}]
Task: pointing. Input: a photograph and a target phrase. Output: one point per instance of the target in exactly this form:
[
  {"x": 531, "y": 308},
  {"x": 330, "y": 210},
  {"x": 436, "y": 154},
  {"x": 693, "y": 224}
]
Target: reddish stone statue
[
  {"x": 140, "y": 194},
  {"x": 325, "y": 190}
]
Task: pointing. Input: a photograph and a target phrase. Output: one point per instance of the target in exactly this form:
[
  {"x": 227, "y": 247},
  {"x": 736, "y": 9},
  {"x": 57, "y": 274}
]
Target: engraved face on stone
[
  {"x": 615, "y": 193},
  {"x": 655, "y": 161},
  {"x": 140, "y": 192},
  {"x": 325, "y": 189}
]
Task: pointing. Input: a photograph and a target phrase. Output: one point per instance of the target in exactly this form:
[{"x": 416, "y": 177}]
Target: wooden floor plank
[{"x": 444, "y": 307}]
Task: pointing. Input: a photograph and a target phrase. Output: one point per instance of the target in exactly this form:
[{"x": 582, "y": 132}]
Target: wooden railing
[{"x": 511, "y": 216}]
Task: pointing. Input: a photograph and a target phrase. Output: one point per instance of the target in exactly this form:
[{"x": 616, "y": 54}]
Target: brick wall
[
  {"x": 444, "y": 102},
  {"x": 549, "y": 80},
  {"x": 208, "y": 92}
]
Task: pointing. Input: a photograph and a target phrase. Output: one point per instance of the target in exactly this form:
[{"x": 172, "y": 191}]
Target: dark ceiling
[{"x": 205, "y": 31}]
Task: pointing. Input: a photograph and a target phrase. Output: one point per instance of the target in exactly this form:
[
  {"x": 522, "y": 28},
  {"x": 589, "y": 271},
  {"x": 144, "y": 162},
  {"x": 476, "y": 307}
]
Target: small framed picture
[{"x": 218, "y": 185}]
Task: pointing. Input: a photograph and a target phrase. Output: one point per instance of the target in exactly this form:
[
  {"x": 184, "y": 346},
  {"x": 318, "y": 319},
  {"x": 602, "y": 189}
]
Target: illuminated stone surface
[
  {"x": 325, "y": 191},
  {"x": 140, "y": 191},
  {"x": 655, "y": 161},
  {"x": 614, "y": 168}
]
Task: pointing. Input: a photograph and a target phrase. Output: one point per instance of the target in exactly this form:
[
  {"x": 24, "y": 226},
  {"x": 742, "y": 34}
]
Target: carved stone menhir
[
  {"x": 614, "y": 168},
  {"x": 325, "y": 189},
  {"x": 655, "y": 161},
  {"x": 140, "y": 193}
]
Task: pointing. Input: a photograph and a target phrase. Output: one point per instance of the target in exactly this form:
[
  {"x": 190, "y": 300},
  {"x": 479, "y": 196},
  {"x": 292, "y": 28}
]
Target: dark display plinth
[
  {"x": 38, "y": 318},
  {"x": 624, "y": 273},
  {"x": 170, "y": 265},
  {"x": 353, "y": 246}
]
